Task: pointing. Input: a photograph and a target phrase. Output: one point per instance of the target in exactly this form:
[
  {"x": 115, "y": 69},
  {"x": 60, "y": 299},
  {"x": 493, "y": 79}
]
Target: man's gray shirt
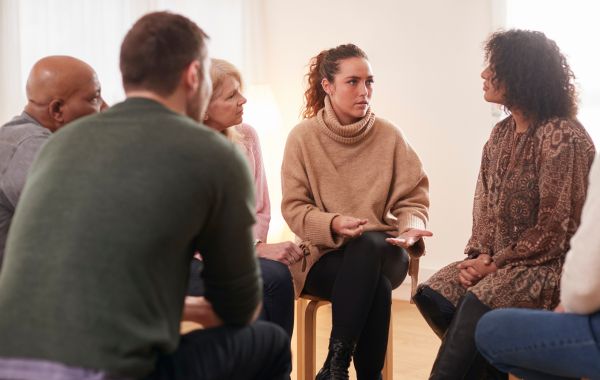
[{"x": 20, "y": 141}]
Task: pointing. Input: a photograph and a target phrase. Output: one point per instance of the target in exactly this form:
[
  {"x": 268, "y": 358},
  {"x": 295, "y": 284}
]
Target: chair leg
[
  {"x": 300, "y": 344},
  {"x": 306, "y": 330},
  {"x": 388, "y": 365},
  {"x": 310, "y": 338}
]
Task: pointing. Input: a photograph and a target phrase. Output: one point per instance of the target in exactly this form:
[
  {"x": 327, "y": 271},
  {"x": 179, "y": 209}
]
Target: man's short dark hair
[{"x": 157, "y": 49}]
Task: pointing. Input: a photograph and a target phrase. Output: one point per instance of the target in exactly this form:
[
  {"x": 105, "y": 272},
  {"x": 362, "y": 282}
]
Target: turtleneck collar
[{"x": 346, "y": 134}]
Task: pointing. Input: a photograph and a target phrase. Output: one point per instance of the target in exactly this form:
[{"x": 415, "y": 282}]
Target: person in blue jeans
[
  {"x": 528, "y": 200},
  {"x": 564, "y": 344}
]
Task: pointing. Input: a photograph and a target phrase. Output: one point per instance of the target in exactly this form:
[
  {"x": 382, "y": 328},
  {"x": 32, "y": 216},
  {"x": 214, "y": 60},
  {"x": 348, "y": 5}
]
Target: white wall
[
  {"x": 426, "y": 58},
  {"x": 93, "y": 31}
]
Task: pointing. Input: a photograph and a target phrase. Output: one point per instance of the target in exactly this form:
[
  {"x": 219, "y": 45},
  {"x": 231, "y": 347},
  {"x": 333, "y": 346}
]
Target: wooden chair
[{"x": 306, "y": 330}]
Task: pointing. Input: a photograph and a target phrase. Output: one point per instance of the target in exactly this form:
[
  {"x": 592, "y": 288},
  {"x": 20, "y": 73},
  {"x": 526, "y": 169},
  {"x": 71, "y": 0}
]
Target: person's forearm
[
  {"x": 199, "y": 310},
  {"x": 236, "y": 299},
  {"x": 231, "y": 274}
]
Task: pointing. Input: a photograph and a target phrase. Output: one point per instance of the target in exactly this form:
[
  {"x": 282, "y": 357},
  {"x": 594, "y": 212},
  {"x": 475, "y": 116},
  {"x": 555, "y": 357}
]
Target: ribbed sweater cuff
[
  {"x": 409, "y": 221},
  {"x": 318, "y": 228}
]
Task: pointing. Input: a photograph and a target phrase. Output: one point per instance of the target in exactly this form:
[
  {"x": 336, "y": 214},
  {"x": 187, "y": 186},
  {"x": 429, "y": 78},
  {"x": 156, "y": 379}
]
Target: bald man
[{"x": 60, "y": 89}]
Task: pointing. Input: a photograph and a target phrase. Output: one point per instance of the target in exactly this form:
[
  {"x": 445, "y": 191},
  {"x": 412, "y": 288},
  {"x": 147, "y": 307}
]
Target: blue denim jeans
[{"x": 540, "y": 344}]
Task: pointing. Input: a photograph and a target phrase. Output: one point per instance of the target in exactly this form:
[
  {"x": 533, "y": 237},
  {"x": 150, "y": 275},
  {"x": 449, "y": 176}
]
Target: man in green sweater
[{"x": 98, "y": 254}]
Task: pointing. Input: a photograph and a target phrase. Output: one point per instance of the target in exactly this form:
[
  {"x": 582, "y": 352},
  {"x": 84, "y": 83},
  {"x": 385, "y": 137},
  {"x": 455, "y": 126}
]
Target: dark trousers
[
  {"x": 358, "y": 280},
  {"x": 259, "y": 351},
  {"x": 278, "y": 292}
]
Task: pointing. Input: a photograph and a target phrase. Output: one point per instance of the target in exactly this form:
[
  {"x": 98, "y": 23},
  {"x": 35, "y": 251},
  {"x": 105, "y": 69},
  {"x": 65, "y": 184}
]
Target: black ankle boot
[
  {"x": 458, "y": 357},
  {"x": 435, "y": 309},
  {"x": 324, "y": 372},
  {"x": 338, "y": 360}
]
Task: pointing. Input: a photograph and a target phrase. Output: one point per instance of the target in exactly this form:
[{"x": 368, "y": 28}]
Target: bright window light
[{"x": 574, "y": 25}]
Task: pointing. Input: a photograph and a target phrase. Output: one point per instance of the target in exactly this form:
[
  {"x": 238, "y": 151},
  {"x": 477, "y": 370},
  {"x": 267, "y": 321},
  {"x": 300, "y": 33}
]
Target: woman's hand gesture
[
  {"x": 348, "y": 226},
  {"x": 408, "y": 238}
]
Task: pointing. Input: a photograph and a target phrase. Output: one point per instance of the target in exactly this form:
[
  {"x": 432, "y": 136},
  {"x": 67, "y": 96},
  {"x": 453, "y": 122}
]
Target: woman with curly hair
[
  {"x": 356, "y": 194},
  {"x": 528, "y": 200},
  {"x": 559, "y": 345}
]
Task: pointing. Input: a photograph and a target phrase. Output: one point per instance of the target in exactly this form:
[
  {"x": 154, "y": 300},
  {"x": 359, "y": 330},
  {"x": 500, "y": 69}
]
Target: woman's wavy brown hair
[
  {"x": 534, "y": 74},
  {"x": 325, "y": 65}
]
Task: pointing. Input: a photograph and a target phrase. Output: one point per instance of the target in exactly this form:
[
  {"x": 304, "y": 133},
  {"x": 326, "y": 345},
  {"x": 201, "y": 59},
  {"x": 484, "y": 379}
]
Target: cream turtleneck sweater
[{"x": 364, "y": 170}]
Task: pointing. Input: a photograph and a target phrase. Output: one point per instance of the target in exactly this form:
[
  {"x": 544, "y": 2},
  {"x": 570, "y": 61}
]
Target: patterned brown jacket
[{"x": 528, "y": 201}]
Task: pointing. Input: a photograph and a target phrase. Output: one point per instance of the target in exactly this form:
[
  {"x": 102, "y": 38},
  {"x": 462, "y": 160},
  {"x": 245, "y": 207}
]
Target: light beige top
[
  {"x": 364, "y": 170},
  {"x": 580, "y": 282}
]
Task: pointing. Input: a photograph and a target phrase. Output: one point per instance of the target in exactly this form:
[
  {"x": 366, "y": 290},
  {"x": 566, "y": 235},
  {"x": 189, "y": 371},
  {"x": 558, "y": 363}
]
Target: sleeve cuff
[
  {"x": 410, "y": 221},
  {"x": 318, "y": 229}
]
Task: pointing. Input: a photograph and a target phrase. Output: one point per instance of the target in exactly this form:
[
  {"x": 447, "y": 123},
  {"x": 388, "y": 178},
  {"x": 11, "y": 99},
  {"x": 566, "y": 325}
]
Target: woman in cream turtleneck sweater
[{"x": 356, "y": 195}]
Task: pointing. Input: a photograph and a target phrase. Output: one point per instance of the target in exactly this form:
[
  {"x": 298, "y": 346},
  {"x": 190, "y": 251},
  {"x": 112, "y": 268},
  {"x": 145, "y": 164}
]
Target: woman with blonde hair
[{"x": 225, "y": 115}]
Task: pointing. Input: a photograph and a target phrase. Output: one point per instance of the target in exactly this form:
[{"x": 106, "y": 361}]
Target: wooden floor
[{"x": 415, "y": 345}]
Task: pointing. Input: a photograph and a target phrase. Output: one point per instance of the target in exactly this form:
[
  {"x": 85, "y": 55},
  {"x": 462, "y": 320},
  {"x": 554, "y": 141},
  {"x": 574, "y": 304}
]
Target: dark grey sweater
[
  {"x": 20, "y": 141},
  {"x": 98, "y": 255}
]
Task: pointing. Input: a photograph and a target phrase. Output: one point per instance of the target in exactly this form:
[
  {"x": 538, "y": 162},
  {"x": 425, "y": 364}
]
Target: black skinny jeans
[{"x": 358, "y": 280}]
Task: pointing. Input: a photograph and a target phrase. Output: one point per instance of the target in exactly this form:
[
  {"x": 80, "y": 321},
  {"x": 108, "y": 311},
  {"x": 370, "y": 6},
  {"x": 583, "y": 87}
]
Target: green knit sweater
[{"x": 98, "y": 254}]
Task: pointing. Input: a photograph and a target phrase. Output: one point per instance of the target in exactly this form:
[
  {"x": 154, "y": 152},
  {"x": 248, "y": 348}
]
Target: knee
[
  {"x": 488, "y": 332},
  {"x": 370, "y": 244},
  {"x": 493, "y": 326},
  {"x": 428, "y": 299},
  {"x": 369, "y": 239},
  {"x": 276, "y": 275},
  {"x": 422, "y": 295}
]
